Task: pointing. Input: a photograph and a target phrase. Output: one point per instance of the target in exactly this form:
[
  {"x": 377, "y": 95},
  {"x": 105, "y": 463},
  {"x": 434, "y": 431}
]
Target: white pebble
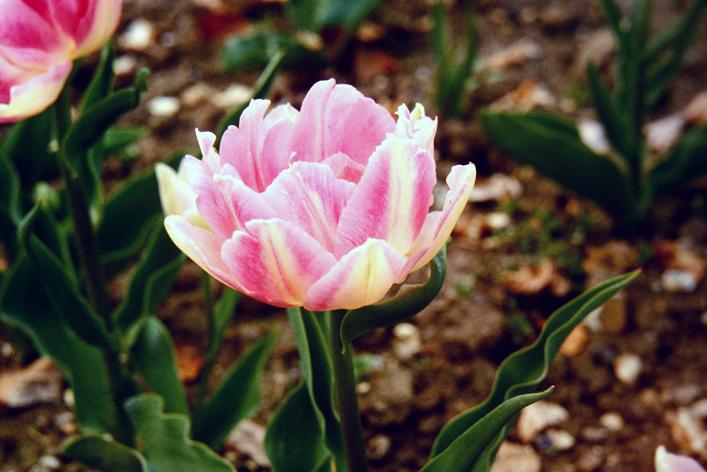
[
  {"x": 561, "y": 439},
  {"x": 612, "y": 421},
  {"x": 627, "y": 368},
  {"x": 675, "y": 280},
  {"x": 538, "y": 416},
  {"x": 163, "y": 106},
  {"x": 49, "y": 462},
  {"x": 233, "y": 96},
  {"x": 138, "y": 36},
  {"x": 124, "y": 65}
]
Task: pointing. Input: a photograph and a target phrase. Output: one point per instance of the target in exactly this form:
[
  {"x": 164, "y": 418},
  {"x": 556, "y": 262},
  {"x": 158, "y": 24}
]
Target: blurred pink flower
[
  {"x": 324, "y": 208},
  {"x": 38, "y": 41},
  {"x": 667, "y": 462}
]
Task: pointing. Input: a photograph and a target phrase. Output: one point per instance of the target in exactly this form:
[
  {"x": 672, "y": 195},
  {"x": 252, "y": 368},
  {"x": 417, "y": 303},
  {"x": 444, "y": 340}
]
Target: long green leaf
[
  {"x": 685, "y": 161},
  {"x": 164, "y": 439},
  {"x": 294, "y": 442},
  {"x": 463, "y": 453},
  {"x": 317, "y": 373},
  {"x": 103, "y": 79},
  {"x": 153, "y": 355},
  {"x": 236, "y": 397},
  {"x": 150, "y": 282},
  {"x": 523, "y": 370},
  {"x": 307, "y": 14},
  {"x": 608, "y": 112},
  {"x": 532, "y": 139},
  {"x": 82, "y": 364},
  {"x": 103, "y": 453},
  {"x": 409, "y": 302},
  {"x": 129, "y": 217},
  {"x": 9, "y": 207}
]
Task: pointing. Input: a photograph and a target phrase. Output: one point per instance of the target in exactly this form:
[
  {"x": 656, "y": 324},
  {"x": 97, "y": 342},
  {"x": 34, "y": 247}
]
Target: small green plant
[
  {"x": 302, "y": 43},
  {"x": 454, "y": 64},
  {"x": 627, "y": 179}
]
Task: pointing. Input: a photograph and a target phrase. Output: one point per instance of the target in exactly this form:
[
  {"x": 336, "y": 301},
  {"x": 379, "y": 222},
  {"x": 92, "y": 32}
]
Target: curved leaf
[
  {"x": 523, "y": 370},
  {"x": 462, "y": 454},
  {"x": 153, "y": 355},
  {"x": 236, "y": 397},
  {"x": 608, "y": 112},
  {"x": 411, "y": 300},
  {"x": 150, "y": 282},
  {"x": 685, "y": 161},
  {"x": 101, "y": 84},
  {"x": 294, "y": 442},
  {"x": 532, "y": 139},
  {"x": 82, "y": 364},
  {"x": 317, "y": 373},
  {"x": 103, "y": 453},
  {"x": 164, "y": 439}
]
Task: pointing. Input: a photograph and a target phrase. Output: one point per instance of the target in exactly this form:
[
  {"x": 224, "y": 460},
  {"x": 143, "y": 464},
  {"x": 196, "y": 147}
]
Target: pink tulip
[
  {"x": 38, "y": 41},
  {"x": 324, "y": 208},
  {"x": 667, "y": 462}
]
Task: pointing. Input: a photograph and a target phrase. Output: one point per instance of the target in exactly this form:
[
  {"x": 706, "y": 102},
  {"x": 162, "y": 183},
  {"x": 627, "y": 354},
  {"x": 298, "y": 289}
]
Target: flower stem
[{"x": 345, "y": 393}]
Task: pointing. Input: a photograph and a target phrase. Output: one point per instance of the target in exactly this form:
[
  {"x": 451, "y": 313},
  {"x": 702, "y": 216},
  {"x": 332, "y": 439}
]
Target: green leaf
[
  {"x": 101, "y": 84},
  {"x": 9, "y": 207},
  {"x": 679, "y": 32},
  {"x": 614, "y": 16},
  {"x": 129, "y": 217},
  {"x": 103, "y": 453},
  {"x": 164, "y": 439},
  {"x": 150, "y": 282},
  {"x": 224, "y": 310},
  {"x": 120, "y": 140},
  {"x": 613, "y": 122},
  {"x": 82, "y": 365},
  {"x": 307, "y": 14},
  {"x": 685, "y": 161},
  {"x": 90, "y": 127},
  {"x": 261, "y": 89},
  {"x": 61, "y": 288},
  {"x": 236, "y": 398},
  {"x": 462, "y": 454},
  {"x": 294, "y": 442},
  {"x": 411, "y": 300},
  {"x": 347, "y": 13},
  {"x": 533, "y": 138},
  {"x": 28, "y": 147},
  {"x": 153, "y": 355},
  {"x": 317, "y": 373},
  {"x": 523, "y": 370}
]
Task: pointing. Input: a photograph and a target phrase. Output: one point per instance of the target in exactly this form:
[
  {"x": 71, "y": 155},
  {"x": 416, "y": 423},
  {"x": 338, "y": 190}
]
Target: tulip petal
[
  {"x": 176, "y": 197},
  {"x": 344, "y": 167},
  {"x": 24, "y": 99},
  {"x": 439, "y": 224},
  {"x": 361, "y": 277},
  {"x": 201, "y": 246},
  {"x": 276, "y": 261},
  {"x": 667, "y": 462},
  {"x": 309, "y": 195},
  {"x": 97, "y": 24},
  {"x": 338, "y": 118},
  {"x": 257, "y": 148},
  {"x": 392, "y": 198},
  {"x": 28, "y": 39}
]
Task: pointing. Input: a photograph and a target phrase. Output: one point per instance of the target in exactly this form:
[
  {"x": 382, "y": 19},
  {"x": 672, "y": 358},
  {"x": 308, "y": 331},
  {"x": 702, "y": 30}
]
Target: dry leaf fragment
[{"x": 39, "y": 382}]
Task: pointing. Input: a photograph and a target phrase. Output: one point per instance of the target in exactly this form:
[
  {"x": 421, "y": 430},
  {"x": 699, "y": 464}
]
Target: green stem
[
  {"x": 213, "y": 345},
  {"x": 80, "y": 215},
  {"x": 345, "y": 393}
]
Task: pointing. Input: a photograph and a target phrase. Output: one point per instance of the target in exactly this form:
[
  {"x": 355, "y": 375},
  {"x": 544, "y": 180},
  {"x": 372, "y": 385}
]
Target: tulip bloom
[
  {"x": 667, "y": 462},
  {"x": 39, "y": 39},
  {"x": 324, "y": 208}
]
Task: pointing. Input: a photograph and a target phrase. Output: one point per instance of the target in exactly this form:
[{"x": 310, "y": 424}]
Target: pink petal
[
  {"x": 29, "y": 41},
  {"x": 439, "y": 224},
  {"x": 201, "y": 246},
  {"x": 31, "y": 96},
  {"x": 311, "y": 197},
  {"x": 392, "y": 199},
  {"x": 362, "y": 277},
  {"x": 338, "y": 118},
  {"x": 344, "y": 167},
  {"x": 667, "y": 462},
  {"x": 97, "y": 24},
  {"x": 258, "y": 147},
  {"x": 275, "y": 261}
]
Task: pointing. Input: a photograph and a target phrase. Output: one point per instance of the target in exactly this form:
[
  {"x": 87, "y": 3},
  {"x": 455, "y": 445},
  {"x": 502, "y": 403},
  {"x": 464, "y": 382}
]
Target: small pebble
[
  {"x": 164, "y": 107},
  {"x": 196, "y": 94},
  {"x": 627, "y": 368},
  {"x": 538, "y": 416},
  {"x": 138, "y": 36},
  {"x": 558, "y": 440},
  {"x": 612, "y": 421},
  {"x": 363, "y": 388},
  {"x": 378, "y": 447},
  {"x": 576, "y": 342},
  {"x": 407, "y": 340},
  {"x": 515, "y": 458},
  {"x": 49, "y": 462},
  {"x": 676, "y": 280},
  {"x": 236, "y": 94},
  {"x": 124, "y": 65}
]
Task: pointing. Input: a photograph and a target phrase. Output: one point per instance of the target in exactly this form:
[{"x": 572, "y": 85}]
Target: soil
[{"x": 480, "y": 317}]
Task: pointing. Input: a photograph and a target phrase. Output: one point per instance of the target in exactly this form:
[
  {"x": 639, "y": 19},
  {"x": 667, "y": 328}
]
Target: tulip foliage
[
  {"x": 625, "y": 178},
  {"x": 321, "y": 211}
]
